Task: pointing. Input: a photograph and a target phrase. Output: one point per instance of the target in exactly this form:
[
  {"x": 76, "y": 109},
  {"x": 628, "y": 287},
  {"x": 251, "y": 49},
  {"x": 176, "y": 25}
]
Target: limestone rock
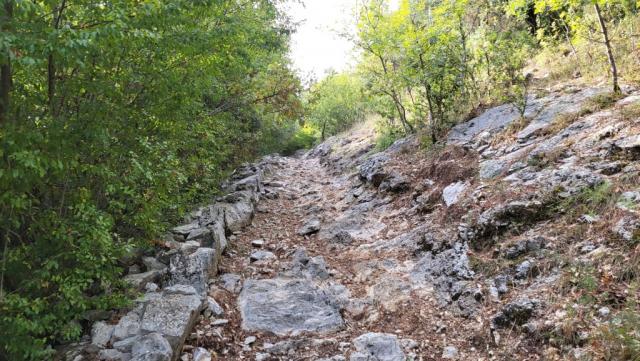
[
  {"x": 287, "y": 306},
  {"x": 627, "y": 228},
  {"x": 309, "y": 227},
  {"x": 261, "y": 255},
  {"x": 128, "y": 326},
  {"x": 491, "y": 168},
  {"x": 515, "y": 313},
  {"x": 491, "y": 121},
  {"x": 113, "y": 355},
  {"x": 201, "y": 354},
  {"x": 214, "y": 307},
  {"x": 303, "y": 266},
  {"x": 153, "y": 264},
  {"x": 151, "y": 347},
  {"x": 449, "y": 272},
  {"x": 526, "y": 269},
  {"x": 194, "y": 269},
  {"x": 450, "y": 353},
  {"x": 372, "y": 170},
  {"x": 394, "y": 183},
  {"x": 173, "y": 315},
  {"x": 377, "y": 347},
  {"x": 257, "y": 243},
  {"x": 140, "y": 280},
  {"x": 184, "y": 230},
  {"x": 452, "y": 192},
  {"x": 231, "y": 282},
  {"x": 524, "y": 246},
  {"x": 101, "y": 333},
  {"x": 238, "y": 210}
]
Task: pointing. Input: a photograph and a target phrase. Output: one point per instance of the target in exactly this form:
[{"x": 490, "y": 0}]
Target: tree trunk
[
  {"x": 427, "y": 94},
  {"x": 432, "y": 117},
  {"x": 51, "y": 83},
  {"x": 402, "y": 113},
  {"x": 6, "y": 76},
  {"x": 324, "y": 127},
  {"x": 51, "y": 65},
  {"x": 607, "y": 43}
]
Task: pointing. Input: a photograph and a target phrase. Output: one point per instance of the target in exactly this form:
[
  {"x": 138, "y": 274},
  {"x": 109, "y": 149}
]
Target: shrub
[{"x": 386, "y": 135}]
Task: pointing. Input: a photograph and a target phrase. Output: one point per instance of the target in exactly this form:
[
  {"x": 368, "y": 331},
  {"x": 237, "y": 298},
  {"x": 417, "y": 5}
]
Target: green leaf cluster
[
  {"x": 119, "y": 116},
  {"x": 335, "y": 104},
  {"x": 435, "y": 60}
]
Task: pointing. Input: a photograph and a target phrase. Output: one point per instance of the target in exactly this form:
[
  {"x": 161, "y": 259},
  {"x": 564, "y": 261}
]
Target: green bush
[
  {"x": 142, "y": 118},
  {"x": 335, "y": 104},
  {"x": 386, "y": 135}
]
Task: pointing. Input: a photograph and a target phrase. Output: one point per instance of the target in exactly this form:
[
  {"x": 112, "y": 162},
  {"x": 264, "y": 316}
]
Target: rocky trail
[
  {"x": 473, "y": 250},
  {"x": 310, "y": 269}
]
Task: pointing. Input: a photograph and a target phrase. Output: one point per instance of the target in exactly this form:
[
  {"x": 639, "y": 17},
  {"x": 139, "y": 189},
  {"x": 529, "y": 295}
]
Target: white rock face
[
  {"x": 287, "y": 306},
  {"x": 101, "y": 333},
  {"x": 172, "y": 315},
  {"x": 452, "y": 192}
]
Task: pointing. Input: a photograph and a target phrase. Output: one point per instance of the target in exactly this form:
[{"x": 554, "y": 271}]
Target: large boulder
[
  {"x": 101, "y": 333},
  {"x": 288, "y": 306},
  {"x": 449, "y": 272},
  {"x": 372, "y": 170},
  {"x": 173, "y": 315},
  {"x": 151, "y": 347},
  {"x": 238, "y": 210},
  {"x": 499, "y": 218},
  {"x": 194, "y": 269},
  {"x": 452, "y": 192}
]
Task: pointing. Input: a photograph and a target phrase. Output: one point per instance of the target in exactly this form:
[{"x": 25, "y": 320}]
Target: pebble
[
  {"x": 450, "y": 353},
  {"x": 261, "y": 256},
  {"x": 257, "y": 243},
  {"x": 213, "y": 307},
  {"x": 604, "y": 311},
  {"x": 261, "y": 356},
  {"x": 219, "y": 322},
  {"x": 151, "y": 287},
  {"x": 249, "y": 340}
]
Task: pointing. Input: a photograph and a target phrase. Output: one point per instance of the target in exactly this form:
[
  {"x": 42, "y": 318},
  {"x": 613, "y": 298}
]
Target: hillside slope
[{"x": 515, "y": 240}]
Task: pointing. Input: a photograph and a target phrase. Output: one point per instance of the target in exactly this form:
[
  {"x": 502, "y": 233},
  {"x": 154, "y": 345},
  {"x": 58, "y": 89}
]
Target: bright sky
[{"x": 316, "y": 47}]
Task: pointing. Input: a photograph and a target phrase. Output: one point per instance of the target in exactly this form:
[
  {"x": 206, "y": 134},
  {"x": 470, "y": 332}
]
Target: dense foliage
[
  {"x": 428, "y": 63},
  {"x": 335, "y": 104},
  {"x": 432, "y": 60},
  {"x": 115, "y": 117}
]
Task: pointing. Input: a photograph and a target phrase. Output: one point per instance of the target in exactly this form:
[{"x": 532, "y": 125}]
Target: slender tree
[
  {"x": 607, "y": 44},
  {"x": 6, "y": 76}
]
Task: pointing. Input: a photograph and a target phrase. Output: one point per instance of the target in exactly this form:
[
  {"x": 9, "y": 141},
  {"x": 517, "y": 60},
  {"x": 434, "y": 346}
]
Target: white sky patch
[{"x": 317, "y": 47}]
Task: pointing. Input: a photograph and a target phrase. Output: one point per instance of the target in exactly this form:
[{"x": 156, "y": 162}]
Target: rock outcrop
[
  {"x": 176, "y": 280},
  {"x": 476, "y": 250}
]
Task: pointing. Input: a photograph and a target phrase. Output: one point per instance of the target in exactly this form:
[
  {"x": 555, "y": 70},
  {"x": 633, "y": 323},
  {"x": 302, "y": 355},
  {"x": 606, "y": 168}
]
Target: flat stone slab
[
  {"x": 288, "y": 306},
  {"x": 172, "y": 315}
]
